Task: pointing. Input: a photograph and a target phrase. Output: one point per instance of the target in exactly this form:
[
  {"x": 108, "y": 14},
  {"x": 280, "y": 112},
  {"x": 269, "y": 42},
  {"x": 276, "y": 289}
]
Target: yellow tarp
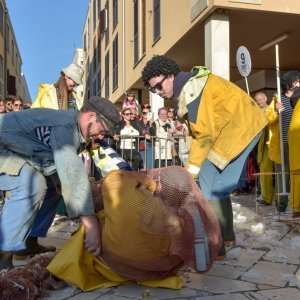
[{"x": 75, "y": 265}]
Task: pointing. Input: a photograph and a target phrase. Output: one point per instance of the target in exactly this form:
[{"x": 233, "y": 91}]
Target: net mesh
[{"x": 148, "y": 222}]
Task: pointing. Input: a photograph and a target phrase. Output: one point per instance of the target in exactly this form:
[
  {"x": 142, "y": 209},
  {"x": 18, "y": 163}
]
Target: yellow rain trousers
[
  {"x": 266, "y": 165},
  {"x": 294, "y": 148}
]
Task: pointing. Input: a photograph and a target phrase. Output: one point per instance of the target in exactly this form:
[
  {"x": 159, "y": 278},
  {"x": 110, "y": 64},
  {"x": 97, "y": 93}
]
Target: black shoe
[
  {"x": 32, "y": 248},
  {"x": 281, "y": 209},
  {"x": 296, "y": 214},
  {"x": 222, "y": 253},
  {"x": 6, "y": 260},
  {"x": 263, "y": 202}
]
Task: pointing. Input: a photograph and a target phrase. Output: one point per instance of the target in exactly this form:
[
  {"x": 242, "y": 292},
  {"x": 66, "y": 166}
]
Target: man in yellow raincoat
[
  {"x": 225, "y": 124},
  {"x": 265, "y": 163}
]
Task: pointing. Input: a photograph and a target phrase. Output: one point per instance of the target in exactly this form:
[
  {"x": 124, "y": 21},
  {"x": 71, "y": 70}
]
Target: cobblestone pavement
[{"x": 264, "y": 263}]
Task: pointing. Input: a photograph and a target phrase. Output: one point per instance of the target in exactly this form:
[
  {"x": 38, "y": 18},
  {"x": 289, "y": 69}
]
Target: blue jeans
[
  {"x": 29, "y": 208},
  {"x": 148, "y": 157},
  {"x": 217, "y": 184}
]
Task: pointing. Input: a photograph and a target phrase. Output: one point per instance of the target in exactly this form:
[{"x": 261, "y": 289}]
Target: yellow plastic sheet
[{"x": 75, "y": 265}]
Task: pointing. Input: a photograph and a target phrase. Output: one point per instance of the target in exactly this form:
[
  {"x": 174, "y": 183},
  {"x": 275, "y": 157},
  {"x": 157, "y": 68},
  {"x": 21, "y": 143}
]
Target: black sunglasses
[
  {"x": 128, "y": 114},
  {"x": 158, "y": 86}
]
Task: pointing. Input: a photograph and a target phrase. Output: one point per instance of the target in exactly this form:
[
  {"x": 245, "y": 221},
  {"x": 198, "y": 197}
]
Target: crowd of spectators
[{"x": 147, "y": 142}]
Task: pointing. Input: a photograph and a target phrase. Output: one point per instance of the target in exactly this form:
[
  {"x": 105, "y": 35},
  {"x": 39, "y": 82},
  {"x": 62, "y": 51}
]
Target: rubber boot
[
  {"x": 6, "y": 258},
  {"x": 229, "y": 236},
  {"x": 220, "y": 209},
  {"x": 32, "y": 248}
]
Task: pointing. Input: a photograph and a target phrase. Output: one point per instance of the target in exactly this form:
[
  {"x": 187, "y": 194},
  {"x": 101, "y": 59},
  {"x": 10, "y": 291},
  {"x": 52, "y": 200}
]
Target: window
[
  {"x": 139, "y": 29},
  {"x": 107, "y": 24},
  {"x": 95, "y": 56},
  {"x": 156, "y": 20},
  {"x": 99, "y": 82},
  {"x": 99, "y": 50},
  {"x": 95, "y": 87},
  {"x": 136, "y": 30},
  {"x": 12, "y": 52},
  {"x": 115, "y": 62},
  {"x": 84, "y": 42},
  {"x": 115, "y": 13},
  {"x": 94, "y": 15},
  {"x": 17, "y": 64},
  {"x": 99, "y": 8},
  {"x": 7, "y": 37},
  {"x": 143, "y": 29},
  {"x": 1, "y": 18},
  {"x": 107, "y": 75},
  {"x": 1, "y": 75}
]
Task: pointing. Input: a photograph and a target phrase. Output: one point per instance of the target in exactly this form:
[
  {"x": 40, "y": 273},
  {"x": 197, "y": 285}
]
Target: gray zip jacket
[{"x": 50, "y": 141}]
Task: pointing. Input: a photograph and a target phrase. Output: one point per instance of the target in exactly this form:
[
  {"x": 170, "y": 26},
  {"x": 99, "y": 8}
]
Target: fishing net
[{"x": 154, "y": 222}]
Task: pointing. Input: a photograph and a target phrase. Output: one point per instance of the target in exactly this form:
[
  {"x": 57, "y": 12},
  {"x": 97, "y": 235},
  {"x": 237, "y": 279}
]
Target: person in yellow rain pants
[{"x": 265, "y": 163}]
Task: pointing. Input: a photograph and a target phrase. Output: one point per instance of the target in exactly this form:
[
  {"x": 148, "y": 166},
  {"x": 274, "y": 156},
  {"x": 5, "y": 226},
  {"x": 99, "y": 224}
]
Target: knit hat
[
  {"x": 105, "y": 109},
  {"x": 74, "y": 72}
]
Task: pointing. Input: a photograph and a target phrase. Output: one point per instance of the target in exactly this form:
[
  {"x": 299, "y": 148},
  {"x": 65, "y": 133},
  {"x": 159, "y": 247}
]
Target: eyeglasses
[
  {"x": 18, "y": 105},
  {"x": 145, "y": 112},
  {"x": 171, "y": 110},
  {"x": 128, "y": 114},
  {"x": 158, "y": 86}
]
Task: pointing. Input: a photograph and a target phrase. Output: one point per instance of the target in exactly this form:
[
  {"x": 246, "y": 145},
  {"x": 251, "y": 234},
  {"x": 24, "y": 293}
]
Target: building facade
[
  {"x": 12, "y": 80},
  {"x": 120, "y": 36}
]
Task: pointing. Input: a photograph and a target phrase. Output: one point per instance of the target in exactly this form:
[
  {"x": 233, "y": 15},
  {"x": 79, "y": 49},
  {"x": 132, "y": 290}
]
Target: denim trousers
[
  {"x": 29, "y": 208},
  {"x": 148, "y": 157},
  {"x": 217, "y": 184}
]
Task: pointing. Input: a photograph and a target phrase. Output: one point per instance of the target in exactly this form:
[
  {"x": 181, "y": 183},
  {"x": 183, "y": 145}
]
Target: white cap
[{"x": 75, "y": 72}]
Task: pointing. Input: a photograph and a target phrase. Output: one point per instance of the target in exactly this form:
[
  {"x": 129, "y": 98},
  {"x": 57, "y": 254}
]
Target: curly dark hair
[
  {"x": 159, "y": 65},
  {"x": 287, "y": 80}
]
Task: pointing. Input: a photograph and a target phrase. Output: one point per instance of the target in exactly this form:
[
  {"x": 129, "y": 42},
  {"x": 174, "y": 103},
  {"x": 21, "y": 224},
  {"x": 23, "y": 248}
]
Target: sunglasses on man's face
[
  {"x": 128, "y": 114},
  {"x": 158, "y": 86}
]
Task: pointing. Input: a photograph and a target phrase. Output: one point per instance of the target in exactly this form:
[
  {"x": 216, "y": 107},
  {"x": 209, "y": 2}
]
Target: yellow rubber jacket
[
  {"x": 274, "y": 145},
  {"x": 269, "y": 133},
  {"x": 225, "y": 120},
  {"x": 47, "y": 97}
]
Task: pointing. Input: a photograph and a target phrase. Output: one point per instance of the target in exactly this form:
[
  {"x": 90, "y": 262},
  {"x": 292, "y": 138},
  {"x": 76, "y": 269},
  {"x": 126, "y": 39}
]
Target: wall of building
[
  {"x": 181, "y": 37},
  {"x": 14, "y": 84}
]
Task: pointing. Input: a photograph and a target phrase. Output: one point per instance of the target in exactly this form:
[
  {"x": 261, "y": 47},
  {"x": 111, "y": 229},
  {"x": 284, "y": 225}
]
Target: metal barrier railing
[{"x": 155, "y": 152}]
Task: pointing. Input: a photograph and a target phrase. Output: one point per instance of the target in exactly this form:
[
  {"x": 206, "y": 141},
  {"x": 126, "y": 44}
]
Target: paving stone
[
  {"x": 58, "y": 242},
  {"x": 60, "y": 234},
  {"x": 62, "y": 294},
  {"x": 284, "y": 255},
  {"x": 224, "y": 297},
  {"x": 246, "y": 258},
  {"x": 276, "y": 294},
  {"x": 275, "y": 274},
  {"x": 114, "y": 297},
  {"x": 91, "y": 295},
  {"x": 226, "y": 271},
  {"x": 218, "y": 285},
  {"x": 134, "y": 291}
]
